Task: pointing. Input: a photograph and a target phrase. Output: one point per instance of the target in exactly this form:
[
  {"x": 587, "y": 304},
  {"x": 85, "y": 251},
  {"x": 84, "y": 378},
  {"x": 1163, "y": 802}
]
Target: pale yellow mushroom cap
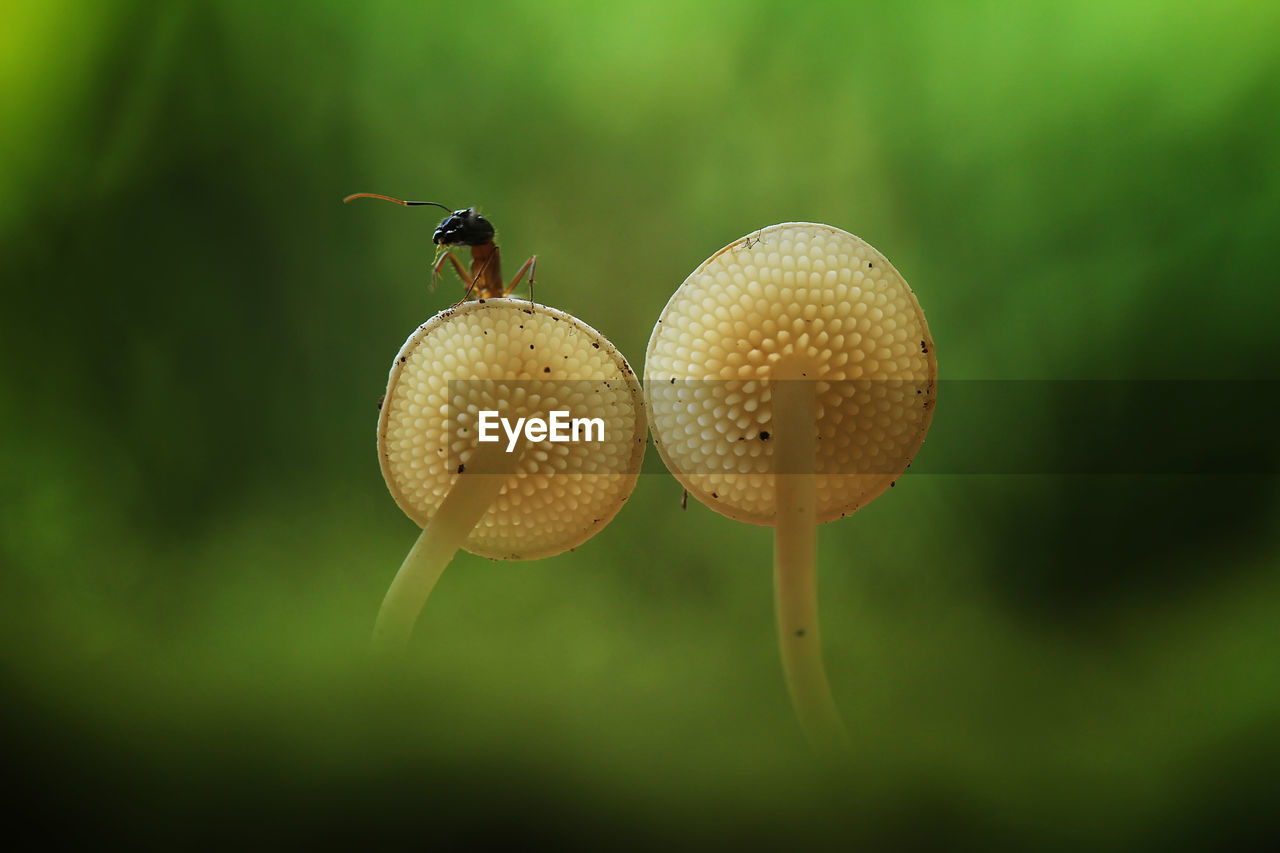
[
  {"x": 802, "y": 300},
  {"x": 521, "y": 360}
]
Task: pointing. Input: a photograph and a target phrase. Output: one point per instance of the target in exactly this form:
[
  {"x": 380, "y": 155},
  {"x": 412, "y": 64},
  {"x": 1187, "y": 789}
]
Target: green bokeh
[{"x": 195, "y": 535}]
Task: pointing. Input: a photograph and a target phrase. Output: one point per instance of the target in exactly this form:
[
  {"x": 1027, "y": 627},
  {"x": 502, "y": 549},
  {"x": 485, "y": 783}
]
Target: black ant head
[{"x": 463, "y": 228}]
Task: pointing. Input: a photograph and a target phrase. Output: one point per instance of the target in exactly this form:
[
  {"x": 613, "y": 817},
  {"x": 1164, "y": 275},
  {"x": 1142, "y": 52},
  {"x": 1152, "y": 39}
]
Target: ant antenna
[{"x": 396, "y": 200}]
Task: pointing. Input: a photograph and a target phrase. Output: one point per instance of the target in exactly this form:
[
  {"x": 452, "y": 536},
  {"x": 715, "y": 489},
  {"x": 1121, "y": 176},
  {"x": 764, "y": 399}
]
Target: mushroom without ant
[
  {"x": 518, "y": 360},
  {"x": 790, "y": 380}
]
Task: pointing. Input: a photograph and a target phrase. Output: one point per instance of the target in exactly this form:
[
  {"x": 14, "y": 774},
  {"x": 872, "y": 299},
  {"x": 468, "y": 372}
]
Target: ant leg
[
  {"x": 436, "y": 263},
  {"x": 529, "y": 265},
  {"x": 462, "y": 274},
  {"x": 457, "y": 265}
]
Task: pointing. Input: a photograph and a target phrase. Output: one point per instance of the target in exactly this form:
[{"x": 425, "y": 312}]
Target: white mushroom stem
[
  {"x": 794, "y": 549},
  {"x": 473, "y": 492}
]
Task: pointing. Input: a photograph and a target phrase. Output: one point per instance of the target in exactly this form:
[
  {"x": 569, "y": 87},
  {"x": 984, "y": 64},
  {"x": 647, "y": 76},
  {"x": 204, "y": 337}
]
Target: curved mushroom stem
[
  {"x": 472, "y": 494},
  {"x": 795, "y": 580}
]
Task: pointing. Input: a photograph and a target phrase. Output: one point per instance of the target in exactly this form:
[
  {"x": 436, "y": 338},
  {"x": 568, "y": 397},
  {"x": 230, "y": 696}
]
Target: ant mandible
[{"x": 467, "y": 227}]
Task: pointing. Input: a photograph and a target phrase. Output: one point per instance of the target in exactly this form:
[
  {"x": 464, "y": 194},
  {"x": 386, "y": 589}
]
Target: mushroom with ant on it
[
  {"x": 524, "y": 495},
  {"x": 790, "y": 380}
]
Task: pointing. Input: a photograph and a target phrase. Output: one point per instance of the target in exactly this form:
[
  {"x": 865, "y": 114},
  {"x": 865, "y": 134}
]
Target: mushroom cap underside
[
  {"x": 796, "y": 302},
  {"x": 518, "y": 360}
]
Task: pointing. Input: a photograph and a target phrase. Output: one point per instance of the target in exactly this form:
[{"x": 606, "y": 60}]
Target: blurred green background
[{"x": 196, "y": 536}]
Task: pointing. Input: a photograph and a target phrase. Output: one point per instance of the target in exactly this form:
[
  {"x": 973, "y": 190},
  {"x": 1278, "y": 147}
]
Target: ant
[{"x": 467, "y": 227}]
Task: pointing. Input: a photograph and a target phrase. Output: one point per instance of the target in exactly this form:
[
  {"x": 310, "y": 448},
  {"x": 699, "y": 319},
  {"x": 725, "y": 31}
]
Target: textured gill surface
[
  {"x": 521, "y": 361},
  {"x": 797, "y": 299}
]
